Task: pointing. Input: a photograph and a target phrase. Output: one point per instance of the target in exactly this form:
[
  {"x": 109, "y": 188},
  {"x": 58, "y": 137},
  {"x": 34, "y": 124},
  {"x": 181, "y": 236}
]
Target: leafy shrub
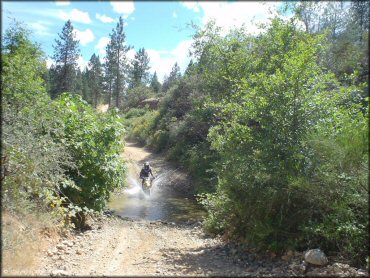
[
  {"x": 33, "y": 164},
  {"x": 338, "y": 165},
  {"x": 135, "y": 112},
  {"x": 95, "y": 142},
  {"x": 281, "y": 189},
  {"x": 160, "y": 140},
  {"x": 141, "y": 128}
]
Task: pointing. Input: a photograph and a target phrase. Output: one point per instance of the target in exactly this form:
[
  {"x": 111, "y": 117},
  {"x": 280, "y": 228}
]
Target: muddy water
[{"x": 163, "y": 204}]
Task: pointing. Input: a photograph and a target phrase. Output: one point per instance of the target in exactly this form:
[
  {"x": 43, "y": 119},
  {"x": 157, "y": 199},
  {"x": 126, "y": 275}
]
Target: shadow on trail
[
  {"x": 208, "y": 260},
  {"x": 220, "y": 261}
]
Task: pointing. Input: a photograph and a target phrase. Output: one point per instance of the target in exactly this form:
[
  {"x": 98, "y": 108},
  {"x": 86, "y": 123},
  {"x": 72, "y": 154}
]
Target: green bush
[
  {"x": 95, "y": 142},
  {"x": 160, "y": 140},
  {"x": 338, "y": 169},
  {"x": 141, "y": 128},
  {"x": 33, "y": 163},
  {"x": 278, "y": 187},
  {"x": 135, "y": 112}
]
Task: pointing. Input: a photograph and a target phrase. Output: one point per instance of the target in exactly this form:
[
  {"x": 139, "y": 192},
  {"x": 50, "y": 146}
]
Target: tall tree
[
  {"x": 109, "y": 73},
  {"x": 140, "y": 66},
  {"x": 191, "y": 68},
  {"x": 117, "y": 64},
  {"x": 66, "y": 53},
  {"x": 155, "y": 85},
  {"x": 23, "y": 65},
  {"x": 95, "y": 79},
  {"x": 86, "y": 91},
  {"x": 175, "y": 75}
]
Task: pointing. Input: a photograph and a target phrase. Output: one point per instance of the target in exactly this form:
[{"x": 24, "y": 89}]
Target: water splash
[
  {"x": 134, "y": 187},
  {"x": 161, "y": 204}
]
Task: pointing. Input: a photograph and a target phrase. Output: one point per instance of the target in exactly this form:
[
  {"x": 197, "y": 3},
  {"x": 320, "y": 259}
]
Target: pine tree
[
  {"x": 175, "y": 75},
  {"x": 66, "y": 53},
  {"x": 116, "y": 64},
  {"x": 78, "y": 82},
  {"x": 191, "y": 68},
  {"x": 86, "y": 91},
  {"x": 154, "y": 83},
  {"x": 140, "y": 66},
  {"x": 95, "y": 79},
  {"x": 109, "y": 73}
]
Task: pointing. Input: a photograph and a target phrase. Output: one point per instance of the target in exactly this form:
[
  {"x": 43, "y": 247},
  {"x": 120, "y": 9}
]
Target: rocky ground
[
  {"x": 123, "y": 247},
  {"x": 126, "y": 247}
]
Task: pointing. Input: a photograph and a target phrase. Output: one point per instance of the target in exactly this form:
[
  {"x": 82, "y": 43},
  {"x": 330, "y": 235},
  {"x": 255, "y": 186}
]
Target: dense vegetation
[
  {"x": 273, "y": 127},
  {"x": 61, "y": 156}
]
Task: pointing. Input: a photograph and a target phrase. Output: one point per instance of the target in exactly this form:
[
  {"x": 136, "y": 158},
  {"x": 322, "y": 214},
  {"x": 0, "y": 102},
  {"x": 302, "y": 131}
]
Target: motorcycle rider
[{"x": 145, "y": 172}]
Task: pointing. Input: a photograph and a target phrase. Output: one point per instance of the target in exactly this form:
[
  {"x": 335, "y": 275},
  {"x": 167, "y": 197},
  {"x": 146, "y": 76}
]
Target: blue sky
[{"x": 160, "y": 27}]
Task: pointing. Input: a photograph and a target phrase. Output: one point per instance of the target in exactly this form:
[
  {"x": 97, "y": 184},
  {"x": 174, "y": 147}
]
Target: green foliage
[
  {"x": 340, "y": 159},
  {"x": 32, "y": 162},
  {"x": 139, "y": 69},
  {"x": 155, "y": 85},
  {"x": 95, "y": 141},
  {"x": 280, "y": 188},
  {"x": 59, "y": 157},
  {"x": 273, "y": 127},
  {"x": 66, "y": 53},
  {"x": 135, "y": 112},
  {"x": 116, "y": 65},
  {"x": 95, "y": 77},
  {"x": 136, "y": 95},
  {"x": 140, "y": 128}
]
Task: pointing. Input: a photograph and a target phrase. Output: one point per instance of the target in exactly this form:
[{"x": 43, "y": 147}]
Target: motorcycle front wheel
[{"x": 146, "y": 190}]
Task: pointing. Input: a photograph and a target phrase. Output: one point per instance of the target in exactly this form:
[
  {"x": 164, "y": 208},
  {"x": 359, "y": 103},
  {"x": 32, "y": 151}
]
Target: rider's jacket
[{"x": 144, "y": 173}]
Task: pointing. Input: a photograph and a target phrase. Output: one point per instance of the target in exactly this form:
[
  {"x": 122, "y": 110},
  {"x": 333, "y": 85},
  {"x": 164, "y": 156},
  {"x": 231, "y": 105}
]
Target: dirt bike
[{"x": 147, "y": 184}]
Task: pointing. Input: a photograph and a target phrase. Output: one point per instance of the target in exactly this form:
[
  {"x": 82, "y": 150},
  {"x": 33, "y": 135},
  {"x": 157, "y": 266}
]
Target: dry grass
[{"x": 24, "y": 238}]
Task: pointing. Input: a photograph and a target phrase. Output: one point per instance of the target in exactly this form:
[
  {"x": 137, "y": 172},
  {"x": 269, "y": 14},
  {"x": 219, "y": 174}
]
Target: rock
[
  {"x": 60, "y": 247},
  {"x": 361, "y": 272},
  {"x": 316, "y": 257},
  {"x": 341, "y": 266},
  {"x": 313, "y": 273},
  {"x": 78, "y": 252},
  {"x": 68, "y": 243},
  {"x": 285, "y": 258},
  {"x": 59, "y": 272},
  {"x": 290, "y": 253},
  {"x": 298, "y": 268}
]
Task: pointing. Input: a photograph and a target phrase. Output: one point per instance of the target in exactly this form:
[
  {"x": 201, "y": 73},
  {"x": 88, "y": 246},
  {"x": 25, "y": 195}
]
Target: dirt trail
[{"x": 123, "y": 247}]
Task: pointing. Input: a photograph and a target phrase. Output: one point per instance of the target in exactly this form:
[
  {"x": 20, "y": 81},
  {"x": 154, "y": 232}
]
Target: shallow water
[{"x": 163, "y": 203}]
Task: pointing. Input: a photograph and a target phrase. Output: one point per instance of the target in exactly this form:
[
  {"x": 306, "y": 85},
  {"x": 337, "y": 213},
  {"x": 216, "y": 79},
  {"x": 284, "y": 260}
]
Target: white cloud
[
  {"x": 230, "y": 14},
  {"x": 131, "y": 54},
  {"x": 125, "y": 8},
  {"x": 162, "y": 61},
  {"x": 62, "y": 3},
  {"x": 103, "y": 18},
  {"x": 75, "y": 15},
  {"x": 101, "y": 45},
  {"x": 49, "y": 62},
  {"x": 40, "y": 28},
  {"x": 191, "y": 6},
  {"x": 84, "y": 37},
  {"x": 174, "y": 14},
  {"x": 82, "y": 63}
]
